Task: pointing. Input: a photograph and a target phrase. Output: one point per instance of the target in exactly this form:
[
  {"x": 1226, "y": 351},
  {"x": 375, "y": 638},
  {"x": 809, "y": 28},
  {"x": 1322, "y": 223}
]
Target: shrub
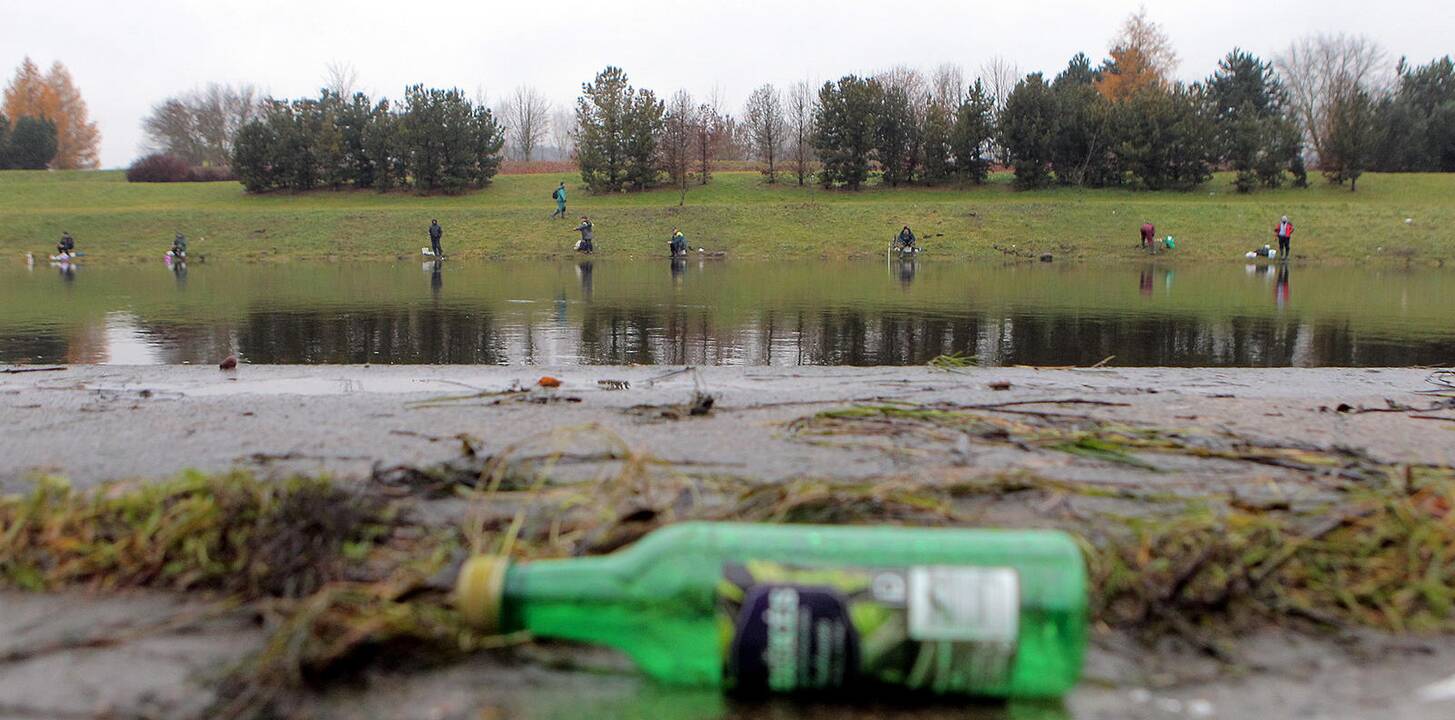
[
  {"x": 211, "y": 173},
  {"x": 161, "y": 167},
  {"x": 158, "y": 167}
]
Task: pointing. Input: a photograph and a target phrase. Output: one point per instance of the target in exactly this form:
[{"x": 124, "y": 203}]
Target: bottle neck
[{"x": 535, "y": 595}]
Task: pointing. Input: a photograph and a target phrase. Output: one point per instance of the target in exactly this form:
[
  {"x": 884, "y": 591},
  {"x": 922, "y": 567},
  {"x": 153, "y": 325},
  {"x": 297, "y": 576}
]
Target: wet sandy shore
[{"x": 95, "y": 424}]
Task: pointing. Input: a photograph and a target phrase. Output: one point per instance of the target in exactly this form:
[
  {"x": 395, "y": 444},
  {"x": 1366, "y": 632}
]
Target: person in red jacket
[
  {"x": 1284, "y": 232},
  {"x": 1149, "y": 236}
]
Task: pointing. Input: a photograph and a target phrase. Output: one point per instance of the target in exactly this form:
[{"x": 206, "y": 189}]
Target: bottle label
[{"x": 945, "y": 629}]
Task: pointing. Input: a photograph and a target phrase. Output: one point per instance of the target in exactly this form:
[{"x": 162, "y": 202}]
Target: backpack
[{"x": 556, "y": 194}]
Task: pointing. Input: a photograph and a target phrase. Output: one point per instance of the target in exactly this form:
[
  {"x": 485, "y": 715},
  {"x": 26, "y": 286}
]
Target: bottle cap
[{"x": 479, "y": 590}]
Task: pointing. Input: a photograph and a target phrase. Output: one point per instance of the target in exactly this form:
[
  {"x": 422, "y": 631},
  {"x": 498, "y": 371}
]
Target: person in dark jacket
[
  {"x": 678, "y": 243},
  {"x": 906, "y": 238},
  {"x": 67, "y": 245},
  {"x": 435, "y": 233},
  {"x": 587, "y": 236},
  {"x": 179, "y": 246}
]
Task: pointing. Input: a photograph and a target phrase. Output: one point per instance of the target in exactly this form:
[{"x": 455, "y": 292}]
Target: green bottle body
[{"x": 667, "y": 603}]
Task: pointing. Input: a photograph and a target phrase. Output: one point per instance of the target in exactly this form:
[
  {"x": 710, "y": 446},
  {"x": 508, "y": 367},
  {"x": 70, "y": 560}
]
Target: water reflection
[
  {"x": 804, "y": 313},
  {"x": 907, "y": 268},
  {"x": 1281, "y": 289}
]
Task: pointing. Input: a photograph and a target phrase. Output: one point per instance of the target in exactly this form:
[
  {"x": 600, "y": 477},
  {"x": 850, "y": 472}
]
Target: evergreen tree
[
  {"x": 252, "y": 152},
  {"x": 602, "y": 119},
  {"x": 894, "y": 135},
  {"x": 383, "y": 146},
  {"x": 32, "y": 144},
  {"x": 4, "y": 142},
  {"x": 844, "y": 130},
  {"x": 1418, "y": 121},
  {"x": 1349, "y": 145},
  {"x": 1167, "y": 139},
  {"x": 352, "y": 118},
  {"x": 644, "y": 121},
  {"x": 450, "y": 142},
  {"x": 939, "y": 164},
  {"x": 972, "y": 136},
  {"x": 1028, "y": 130},
  {"x": 1248, "y": 105},
  {"x": 1081, "y": 152}
]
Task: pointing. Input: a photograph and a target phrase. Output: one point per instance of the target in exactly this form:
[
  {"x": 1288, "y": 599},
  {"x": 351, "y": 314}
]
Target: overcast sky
[{"x": 126, "y": 56}]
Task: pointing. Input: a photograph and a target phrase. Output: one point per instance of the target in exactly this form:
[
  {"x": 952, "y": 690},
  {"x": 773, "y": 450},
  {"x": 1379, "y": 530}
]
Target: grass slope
[{"x": 736, "y": 212}]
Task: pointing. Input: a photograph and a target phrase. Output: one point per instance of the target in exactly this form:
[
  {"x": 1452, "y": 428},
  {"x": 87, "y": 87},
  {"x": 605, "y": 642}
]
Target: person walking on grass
[
  {"x": 587, "y": 236},
  {"x": 1284, "y": 233},
  {"x": 560, "y": 197},
  {"x": 435, "y": 233}
]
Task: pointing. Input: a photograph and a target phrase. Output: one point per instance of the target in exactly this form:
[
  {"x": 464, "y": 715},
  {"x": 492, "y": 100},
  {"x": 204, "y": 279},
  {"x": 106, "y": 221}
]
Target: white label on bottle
[{"x": 973, "y": 614}]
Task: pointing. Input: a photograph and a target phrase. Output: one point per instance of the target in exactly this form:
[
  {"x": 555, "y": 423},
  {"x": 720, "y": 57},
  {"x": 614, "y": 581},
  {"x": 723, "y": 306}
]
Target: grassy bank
[{"x": 736, "y": 212}]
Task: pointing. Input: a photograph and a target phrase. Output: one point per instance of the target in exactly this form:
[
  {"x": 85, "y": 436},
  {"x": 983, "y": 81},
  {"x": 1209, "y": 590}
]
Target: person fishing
[
  {"x": 678, "y": 243},
  {"x": 179, "y": 246},
  {"x": 435, "y": 233},
  {"x": 585, "y": 228},
  {"x": 1149, "y": 236},
  {"x": 560, "y": 197},
  {"x": 905, "y": 239},
  {"x": 1284, "y": 233},
  {"x": 67, "y": 245}
]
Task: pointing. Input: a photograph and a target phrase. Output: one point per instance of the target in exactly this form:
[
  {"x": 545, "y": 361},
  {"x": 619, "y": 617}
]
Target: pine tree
[
  {"x": 973, "y": 135},
  {"x": 1081, "y": 152},
  {"x": 939, "y": 164},
  {"x": 1028, "y": 129},
  {"x": 1349, "y": 145},
  {"x": 844, "y": 130},
  {"x": 32, "y": 144},
  {"x": 602, "y": 117}
]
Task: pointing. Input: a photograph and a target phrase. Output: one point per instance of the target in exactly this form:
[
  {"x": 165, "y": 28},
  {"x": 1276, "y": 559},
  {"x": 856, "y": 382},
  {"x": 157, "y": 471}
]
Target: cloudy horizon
[{"x": 126, "y": 59}]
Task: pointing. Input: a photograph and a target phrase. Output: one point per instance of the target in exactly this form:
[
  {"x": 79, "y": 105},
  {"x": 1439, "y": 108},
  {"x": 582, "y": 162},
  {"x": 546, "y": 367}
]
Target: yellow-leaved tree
[
  {"x": 1141, "y": 58},
  {"x": 54, "y": 96}
]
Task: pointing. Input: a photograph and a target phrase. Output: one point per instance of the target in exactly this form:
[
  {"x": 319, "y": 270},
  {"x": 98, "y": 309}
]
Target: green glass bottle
[{"x": 833, "y": 609}]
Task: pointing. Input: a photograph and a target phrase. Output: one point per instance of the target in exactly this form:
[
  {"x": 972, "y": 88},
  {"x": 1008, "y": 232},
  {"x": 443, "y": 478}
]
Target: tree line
[
  {"x": 434, "y": 140},
  {"x": 1121, "y": 123}
]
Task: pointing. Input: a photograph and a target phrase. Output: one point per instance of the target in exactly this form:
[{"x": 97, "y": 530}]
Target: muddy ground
[{"x": 1092, "y": 443}]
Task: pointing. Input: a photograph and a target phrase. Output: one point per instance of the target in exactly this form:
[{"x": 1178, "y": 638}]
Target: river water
[{"x": 717, "y": 312}]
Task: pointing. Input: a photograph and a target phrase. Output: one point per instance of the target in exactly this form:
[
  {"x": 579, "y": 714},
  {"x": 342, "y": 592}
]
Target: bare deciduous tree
[
  {"x": 563, "y": 133},
  {"x": 678, "y": 134},
  {"x": 801, "y": 99},
  {"x": 707, "y": 140},
  {"x": 525, "y": 112},
  {"x": 764, "y": 113},
  {"x": 999, "y": 77},
  {"x": 341, "y": 78},
  {"x": 199, "y": 126},
  {"x": 1320, "y": 70},
  {"x": 947, "y": 85}
]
